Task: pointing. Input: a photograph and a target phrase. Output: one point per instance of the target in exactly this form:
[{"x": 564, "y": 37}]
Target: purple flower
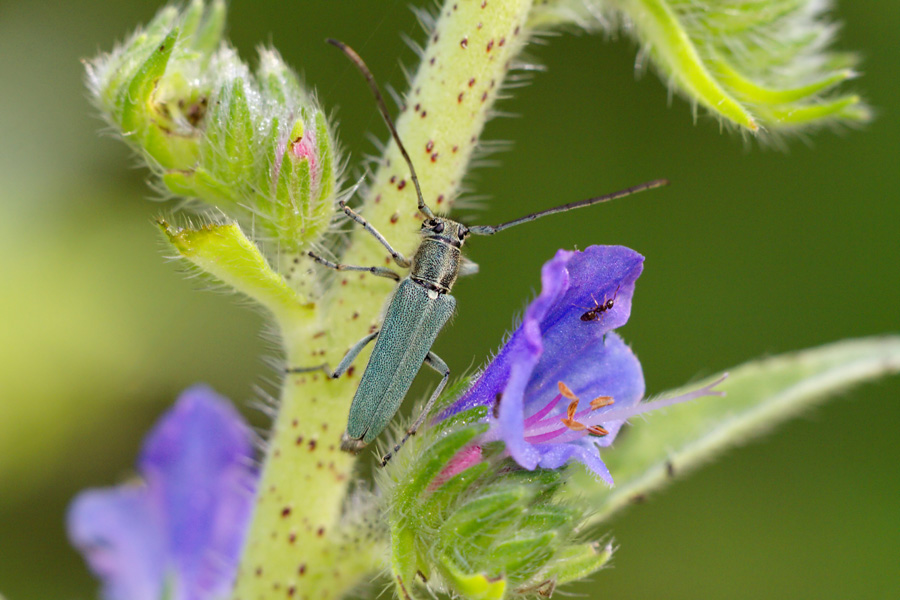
[
  {"x": 564, "y": 383},
  {"x": 178, "y": 533}
]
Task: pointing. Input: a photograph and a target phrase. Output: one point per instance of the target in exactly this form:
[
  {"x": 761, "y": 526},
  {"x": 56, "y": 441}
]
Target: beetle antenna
[
  {"x": 492, "y": 229},
  {"x": 379, "y": 100}
]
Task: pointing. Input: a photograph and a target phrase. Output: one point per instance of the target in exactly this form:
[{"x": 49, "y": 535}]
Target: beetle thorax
[{"x": 436, "y": 262}]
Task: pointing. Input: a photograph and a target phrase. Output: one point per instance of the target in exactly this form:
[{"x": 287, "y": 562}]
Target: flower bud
[{"x": 256, "y": 146}]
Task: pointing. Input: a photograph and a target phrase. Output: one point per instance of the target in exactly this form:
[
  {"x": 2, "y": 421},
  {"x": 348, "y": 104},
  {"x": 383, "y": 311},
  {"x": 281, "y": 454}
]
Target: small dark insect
[{"x": 596, "y": 313}]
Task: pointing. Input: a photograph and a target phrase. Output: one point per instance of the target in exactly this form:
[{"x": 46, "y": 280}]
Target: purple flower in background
[
  {"x": 564, "y": 383},
  {"x": 178, "y": 533}
]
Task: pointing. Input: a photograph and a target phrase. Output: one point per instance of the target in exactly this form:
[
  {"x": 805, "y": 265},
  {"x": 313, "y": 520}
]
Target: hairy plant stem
[{"x": 296, "y": 547}]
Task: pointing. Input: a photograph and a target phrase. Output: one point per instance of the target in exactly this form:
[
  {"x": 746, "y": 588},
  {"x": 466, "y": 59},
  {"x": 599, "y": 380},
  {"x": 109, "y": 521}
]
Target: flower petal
[
  {"x": 121, "y": 537},
  {"x": 493, "y": 380},
  {"x": 608, "y": 367},
  {"x": 554, "y": 456},
  {"x": 197, "y": 464},
  {"x": 597, "y": 274}
]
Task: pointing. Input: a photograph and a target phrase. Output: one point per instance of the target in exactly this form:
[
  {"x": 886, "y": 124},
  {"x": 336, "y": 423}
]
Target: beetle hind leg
[
  {"x": 435, "y": 362},
  {"x": 345, "y": 363}
]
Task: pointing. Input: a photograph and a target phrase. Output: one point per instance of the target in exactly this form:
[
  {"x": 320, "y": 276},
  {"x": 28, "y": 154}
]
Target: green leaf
[
  {"x": 134, "y": 98},
  {"x": 225, "y": 253},
  {"x": 484, "y": 516},
  {"x": 211, "y": 29},
  {"x": 404, "y": 557},
  {"x": 434, "y": 509},
  {"x": 474, "y": 586},
  {"x": 760, "y": 395},
  {"x": 437, "y": 457},
  {"x": 518, "y": 558},
  {"x": 573, "y": 563},
  {"x": 758, "y": 64}
]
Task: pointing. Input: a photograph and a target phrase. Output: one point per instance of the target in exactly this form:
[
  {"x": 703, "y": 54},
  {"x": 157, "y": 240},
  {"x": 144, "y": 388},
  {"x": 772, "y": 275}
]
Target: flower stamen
[
  {"x": 574, "y": 425},
  {"x": 597, "y": 431},
  {"x": 565, "y": 391},
  {"x": 536, "y": 417},
  {"x": 601, "y": 401},
  {"x": 573, "y": 407}
]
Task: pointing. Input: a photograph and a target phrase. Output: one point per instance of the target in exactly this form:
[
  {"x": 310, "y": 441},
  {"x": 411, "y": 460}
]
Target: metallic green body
[{"x": 413, "y": 320}]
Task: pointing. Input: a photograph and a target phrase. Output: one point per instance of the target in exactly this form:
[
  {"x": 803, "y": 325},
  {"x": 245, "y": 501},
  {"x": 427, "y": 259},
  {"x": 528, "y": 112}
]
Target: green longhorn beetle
[{"x": 420, "y": 307}]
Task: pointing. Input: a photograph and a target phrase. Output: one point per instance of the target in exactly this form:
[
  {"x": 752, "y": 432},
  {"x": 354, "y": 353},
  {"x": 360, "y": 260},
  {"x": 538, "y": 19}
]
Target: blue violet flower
[
  {"x": 564, "y": 383},
  {"x": 178, "y": 533}
]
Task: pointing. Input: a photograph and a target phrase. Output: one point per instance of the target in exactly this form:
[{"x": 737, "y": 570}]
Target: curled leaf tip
[{"x": 764, "y": 66}]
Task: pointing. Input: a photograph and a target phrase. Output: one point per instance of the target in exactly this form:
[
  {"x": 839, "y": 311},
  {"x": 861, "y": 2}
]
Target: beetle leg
[
  {"x": 345, "y": 363},
  {"x": 377, "y": 271},
  {"x": 398, "y": 258},
  {"x": 435, "y": 362}
]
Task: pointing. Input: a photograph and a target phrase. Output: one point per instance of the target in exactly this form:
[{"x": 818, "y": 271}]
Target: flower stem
[{"x": 295, "y": 547}]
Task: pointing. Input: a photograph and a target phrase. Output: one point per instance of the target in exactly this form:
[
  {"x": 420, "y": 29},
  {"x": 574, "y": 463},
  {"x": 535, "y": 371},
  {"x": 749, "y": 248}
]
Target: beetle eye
[
  {"x": 439, "y": 227},
  {"x": 462, "y": 233}
]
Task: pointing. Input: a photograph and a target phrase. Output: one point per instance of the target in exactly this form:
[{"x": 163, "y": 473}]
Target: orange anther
[
  {"x": 601, "y": 401},
  {"x": 570, "y": 411},
  {"x": 597, "y": 430},
  {"x": 565, "y": 391},
  {"x": 574, "y": 425}
]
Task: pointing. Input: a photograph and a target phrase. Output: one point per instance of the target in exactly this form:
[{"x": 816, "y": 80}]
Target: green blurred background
[{"x": 750, "y": 252}]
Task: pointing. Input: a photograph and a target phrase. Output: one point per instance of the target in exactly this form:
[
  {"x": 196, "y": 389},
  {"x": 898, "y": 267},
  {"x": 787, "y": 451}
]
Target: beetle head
[{"x": 446, "y": 230}]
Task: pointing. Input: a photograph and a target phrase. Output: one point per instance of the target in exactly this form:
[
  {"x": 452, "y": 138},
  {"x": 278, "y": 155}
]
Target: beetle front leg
[
  {"x": 345, "y": 363},
  {"x": 435, "y": 362},
  {"x": 377, "y": 271},
  {"x": 398, "y": 258}
]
